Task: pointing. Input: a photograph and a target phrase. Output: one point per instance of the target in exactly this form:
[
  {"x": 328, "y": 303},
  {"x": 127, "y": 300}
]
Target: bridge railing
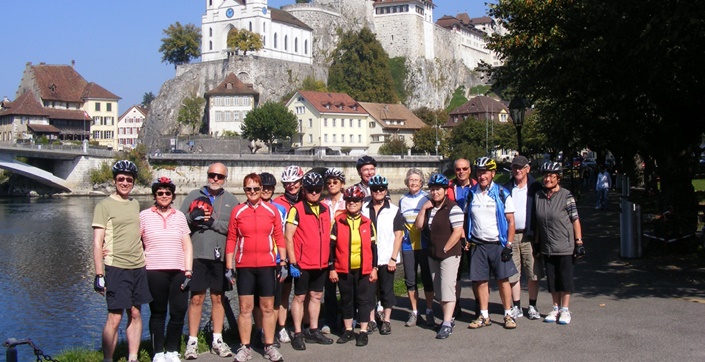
[{"x": 65, "y": 148}]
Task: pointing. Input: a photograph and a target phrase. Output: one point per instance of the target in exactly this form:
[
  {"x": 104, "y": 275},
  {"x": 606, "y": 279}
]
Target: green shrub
[{"x": 102, "y": 174}]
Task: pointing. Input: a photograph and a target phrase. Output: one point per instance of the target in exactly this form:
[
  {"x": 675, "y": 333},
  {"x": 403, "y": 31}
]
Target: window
[
  {"x": 296, "y": 45},
  {"x": 96, "y": 135},
  {"x": 96, "y": 120},
  {"x": 335, "y": 139},
  {"x": 97, "y": 106},
  {"x": 372, "y": 124},
  {"x": 108, "y": 134},
  {"x": 310, "y": 138},
  {"x": 301, "y": 139},
  {"x": 210, "y": 45},
  {"x": 250, "y": 26},
  {"x": 286, "y": 41},
  {"x": 359, "y": 138},
  {"x": 306, "y": 47},
  {"x": 325, "y": 138},
  {"x": 352, "y": 139},
  {"x": 301, "y": 124},
  {"x": 359, "y": 123},
  {"x": 342, "y": 138},
  {"x": 109, "y": 107},
  {"x": 333, "y": 122},
  {"x": 351, "y": 122},
  {"x": 310, "y": 123},
  {"x": 275, "y": 40},
  {"x": 342, "y": 123},
  {"x": 400, "y": 137},
  {"x": 325, "y": 122},
  {"x": 210, "y": 31}
]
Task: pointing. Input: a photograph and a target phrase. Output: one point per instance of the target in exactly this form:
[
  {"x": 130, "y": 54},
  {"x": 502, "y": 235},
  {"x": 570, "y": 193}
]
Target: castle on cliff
[{"x": 301, "y": 32}]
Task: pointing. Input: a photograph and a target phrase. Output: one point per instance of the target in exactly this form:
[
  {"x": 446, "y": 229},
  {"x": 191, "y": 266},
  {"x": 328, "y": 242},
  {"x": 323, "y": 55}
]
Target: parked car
[{"x": 178, "y": 151}]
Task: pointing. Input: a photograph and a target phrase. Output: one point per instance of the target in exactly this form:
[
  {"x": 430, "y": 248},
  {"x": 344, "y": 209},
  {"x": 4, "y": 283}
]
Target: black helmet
[
  {"x": 312, "y": 179},
  {"x": 163, "y": 182},
  {"x": 365, "y": 160},
  {"x": 268, "y": 179},
  {"x": 125, "y": 166}
]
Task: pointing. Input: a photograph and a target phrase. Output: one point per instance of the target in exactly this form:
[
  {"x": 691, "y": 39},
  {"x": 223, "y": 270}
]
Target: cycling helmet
[
  {"x": 365, "y": 160},
  {"x": 552, "y": 167},
  {"x": 438, "y": 179},
  {"x": 124, "y": 166},
  {"x": 485, "y": 163},
  {"x": 268, "y": 179},
  {"x": 335, "y": 173},
  {"x": 378, "y": 180},
  {"x": 313, "y": 179},
  {"x": 163, "y": 182},
  {"x": 292, "y": 173},
  {"x": 354, "y": 192}
]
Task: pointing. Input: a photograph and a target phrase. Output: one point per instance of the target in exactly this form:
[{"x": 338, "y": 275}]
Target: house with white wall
[
  {"x": 129, "y": 127},
  {"x": 228, "y": 105}
]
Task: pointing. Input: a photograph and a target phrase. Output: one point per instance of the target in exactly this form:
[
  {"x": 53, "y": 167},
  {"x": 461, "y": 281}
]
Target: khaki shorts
[
  {"x": 444, "y": 273},
  {"x": 524, "y": 260}
]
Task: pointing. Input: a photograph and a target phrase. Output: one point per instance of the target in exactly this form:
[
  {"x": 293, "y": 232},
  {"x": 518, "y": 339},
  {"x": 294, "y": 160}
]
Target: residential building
[
  {"x": 103, "y": 108},
  {"x": 283, "y": 35},
  {"x": 405, "y": 27},
  {"x": 390, "y": 121},
  {"x": 129, "y": 127},
  {"x": 228, "y": 104},
  {"x": 329, "y": 121}
]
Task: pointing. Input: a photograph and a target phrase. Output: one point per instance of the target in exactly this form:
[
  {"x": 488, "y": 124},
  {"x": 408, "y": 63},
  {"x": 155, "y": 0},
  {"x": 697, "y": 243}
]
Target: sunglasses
[
  {"x": 125, "y": 179},
  {"x": 378, "y": 189},
  {"x": 314, "y": 190},
  {"x": 332, "y": 182},
  {"x": 163, "y": 193},
  {"x": 216, "y": 176},
  {"x": 252, "y": 189},
  {"x": 353, "y": 201},
  {"x": 458, "y": 169}
]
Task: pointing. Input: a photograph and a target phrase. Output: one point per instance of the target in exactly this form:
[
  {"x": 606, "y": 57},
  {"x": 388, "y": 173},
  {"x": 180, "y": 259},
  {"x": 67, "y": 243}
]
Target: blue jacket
[
  {"x": 534, "y": 186},
  {"x": 494, "y": 193}
]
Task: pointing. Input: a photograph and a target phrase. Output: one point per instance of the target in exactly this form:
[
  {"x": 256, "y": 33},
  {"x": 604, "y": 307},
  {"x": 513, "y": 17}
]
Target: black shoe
[
  {"x": 297, "y": 342},
  {"x": 361, "y": 339},
  {"x": 385, "y": 328},
  {"x": 445, "y": 332},
  {"x": 371, "y": 327},
  {"x": 346, "y": 337},
  {"x": 258, "y": 340},
  {"x": 317, "y": 337}
]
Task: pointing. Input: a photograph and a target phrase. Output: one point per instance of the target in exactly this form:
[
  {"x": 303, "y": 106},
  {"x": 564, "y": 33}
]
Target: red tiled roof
[
  {"x": 139, "y": 108},
  {"x": 43, "y": 128},
  {"x": 95, "y": 91},
  {"x": 68, "y": 114},
  {"x": 281, "y": 16},
  {"x": 450, "y": 22},
  {"x": 232, "y": 85},
  {"x": 463, "y": 17},
  {"x": 25, "y": 105},
  {"x": 383, "y": 112},
  {"x": 476, "y": 107},
  {"x": 338, "y": 102},
  {"x": 59, "y": 83},
  {"x": 481, "y": 20}
]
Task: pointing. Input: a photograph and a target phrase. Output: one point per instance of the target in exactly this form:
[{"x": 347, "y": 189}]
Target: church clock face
[
  {"x": 230, "y": 12},
  {"x": 264, "y": 11}
]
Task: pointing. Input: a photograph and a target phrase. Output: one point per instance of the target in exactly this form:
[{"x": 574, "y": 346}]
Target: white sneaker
[
  {"x": 244, "y": 353},
  {"x": 534, "y": 313},
  {"x": 221, "y": 348},
  {"x": 172, "y": 357},
  {"x": 159, "y": 357},
  {"x": 552, "y": 317},
  {"x": 284, "y": 336},
  {"x": 517, "y": 312},
  {"x": 564, "y": 318},
  {"x": 325, "y": 329},
  {"x": 191, "y": 350}
]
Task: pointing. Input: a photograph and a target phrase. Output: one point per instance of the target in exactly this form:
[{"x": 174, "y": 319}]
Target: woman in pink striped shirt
[{"x": 169, "y": 257}]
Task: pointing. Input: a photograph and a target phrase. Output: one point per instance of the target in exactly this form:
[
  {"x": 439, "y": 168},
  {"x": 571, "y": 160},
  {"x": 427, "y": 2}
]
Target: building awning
[
  {"x": 74, "y": 131},
  {"x": 43, "y": 128}
]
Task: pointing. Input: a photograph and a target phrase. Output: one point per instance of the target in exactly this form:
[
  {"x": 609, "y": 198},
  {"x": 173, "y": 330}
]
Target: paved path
[{"x": 636, "y": 310}]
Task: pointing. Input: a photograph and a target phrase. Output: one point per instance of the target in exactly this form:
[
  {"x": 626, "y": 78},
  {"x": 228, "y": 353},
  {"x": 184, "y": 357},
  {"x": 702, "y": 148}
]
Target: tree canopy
[
  {"x": 147, "y": 99},
  {"x": 180, "y": 44},
  {"x": 268, "y": 122},
  {"x": 244, "y": 40},
  {"x": 361, "y": 68},
  {"x": 393, "y": 146},
  {"x": 191, "y": 113}
]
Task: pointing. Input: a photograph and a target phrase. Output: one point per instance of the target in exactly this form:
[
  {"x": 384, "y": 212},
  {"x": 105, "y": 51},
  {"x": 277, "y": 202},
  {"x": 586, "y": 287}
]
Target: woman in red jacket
[
  {"x": 254, "y": 238},
  {"x": 353, "y": 261}
]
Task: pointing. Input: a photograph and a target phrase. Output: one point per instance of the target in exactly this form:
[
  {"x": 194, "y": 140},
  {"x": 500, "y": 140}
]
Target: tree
[
  {"x": 244, "y": 40},
  {"x": 397, "y": 67},
  {"x": 457, "y": 99},
  {"x": 432, "y": 117},
  {"x": 361, "y": 68},
  {"x": 181, "y": 44},
  {"x": 467, "y": 140},
  {"x": 393, "y": 146},
  {"x": 625, "y": 76},
  {"x": 268, "y": 122},
  {"x": 147, "y": 99},
  {"x": 191, "y": 113},
  {"x": 425, "y": 141}
]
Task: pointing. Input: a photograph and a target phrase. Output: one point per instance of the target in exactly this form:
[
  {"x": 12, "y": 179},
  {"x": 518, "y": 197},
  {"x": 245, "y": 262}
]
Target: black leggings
[
  {"x": 354, "y": 294},
  {"x": 165, "y": 286}
]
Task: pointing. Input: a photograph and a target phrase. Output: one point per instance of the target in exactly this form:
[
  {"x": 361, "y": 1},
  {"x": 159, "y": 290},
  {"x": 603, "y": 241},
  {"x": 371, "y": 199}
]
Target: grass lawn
[{"x": 699, "y": 184}]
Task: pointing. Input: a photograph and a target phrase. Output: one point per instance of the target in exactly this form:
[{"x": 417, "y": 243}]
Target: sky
[{"x": 114, "y": 43}]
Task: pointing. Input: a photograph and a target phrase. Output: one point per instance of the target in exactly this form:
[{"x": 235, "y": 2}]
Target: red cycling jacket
[
  {"x": 341, "y": 245},
  {"x": 255, "y": 235},
  {"x": 312, "y": 236}
]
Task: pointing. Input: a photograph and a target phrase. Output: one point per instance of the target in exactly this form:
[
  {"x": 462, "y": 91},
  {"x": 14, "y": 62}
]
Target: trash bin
[{"x": 630, "y": 229}]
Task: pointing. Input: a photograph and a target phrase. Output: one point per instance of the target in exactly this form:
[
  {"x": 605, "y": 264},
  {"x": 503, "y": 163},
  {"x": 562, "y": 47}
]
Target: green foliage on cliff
[
  {"x": 432, "y": 117},
  {"x": 399, "y": 72},
  {"x": 361, "y": 69},
  {"x": 138, "y": 156},
  {"x": 190, "y": 112},
  {"x": 457, "y": 99},
  {"x": 180, "y": 44},
  {"x": 268, "y": 122}
]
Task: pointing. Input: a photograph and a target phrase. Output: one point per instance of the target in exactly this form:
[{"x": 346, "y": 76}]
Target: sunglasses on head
[
  {"x": 125, "y": 179},
  {"x": 378, "y": 189},
  {"x": 163, "y": 193},
  {"x": 458, "y": 169},
  {"x": 314, "y": 190},
  {"x": 216, "y": 176},
  {"x": 252, "y": 189}
]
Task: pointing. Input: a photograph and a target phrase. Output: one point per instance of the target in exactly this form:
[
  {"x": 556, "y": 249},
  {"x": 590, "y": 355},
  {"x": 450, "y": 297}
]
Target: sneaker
[
  {"x": 276, "y": 341},
  {"x": 411, "y": 321},
  {"x": 284, "y": 336},
  {"x": 159, "y": 357},
  {"x": 221, "y": 348},
  {"x": 347, "y": 336},
  {"x": 534, "y": 313},
  {"x": 243, "y": 354},
  {"x": 191, "y": 350},
  {"x": 480, "y": 322},
  {"x": 552, "y": 317},
  {"x": 371, "y": 327},
  {"x": 325, "y": 329},
  {"x": 316, "y": 337},
  {"x": 564, "y": 317},
  {"x": 172, "y": 357},
  {"x": 298, "y": 342},
  {"x": 361, "y": 339},
  {"x": 517, "y": 312},
  {"x": 272, "y": 353},
  {"x": 509, "y": 322},
  {"x": 430, "y": 319},
  {"x": 445, "y": 332},
  {"x": 385, "y": 329}
]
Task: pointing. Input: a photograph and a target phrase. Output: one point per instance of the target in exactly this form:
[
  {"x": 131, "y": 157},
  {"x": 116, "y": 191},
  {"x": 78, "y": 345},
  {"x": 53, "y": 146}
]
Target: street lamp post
[{"x": 517, "y": 108}]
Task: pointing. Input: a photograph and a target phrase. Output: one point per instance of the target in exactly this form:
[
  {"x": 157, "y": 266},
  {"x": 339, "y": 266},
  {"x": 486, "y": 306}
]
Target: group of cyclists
[{"x": 347, "y": 243}]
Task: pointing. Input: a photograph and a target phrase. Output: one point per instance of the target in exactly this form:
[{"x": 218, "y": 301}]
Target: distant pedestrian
[{"x": 603, "y": 186}]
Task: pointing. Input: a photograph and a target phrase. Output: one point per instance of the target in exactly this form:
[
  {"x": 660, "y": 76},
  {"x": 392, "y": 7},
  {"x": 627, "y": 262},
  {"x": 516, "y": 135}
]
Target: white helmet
[{"x": 292, "y": 173}]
